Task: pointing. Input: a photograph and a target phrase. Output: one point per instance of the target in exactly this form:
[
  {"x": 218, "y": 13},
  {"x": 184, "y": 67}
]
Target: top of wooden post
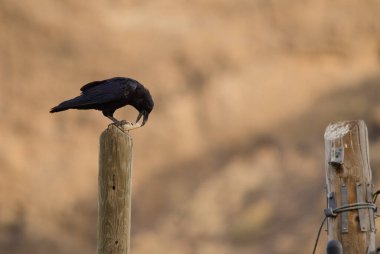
[
  {"x": 338, "y": 130},
  {"x": 114, "y": 130}
]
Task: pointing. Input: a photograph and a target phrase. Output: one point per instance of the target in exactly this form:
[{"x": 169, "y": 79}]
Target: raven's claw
[
  {"x": 119, "y": 123},
  {"x": 125, "y": 125},
  {"x": 123, "y": 122}
]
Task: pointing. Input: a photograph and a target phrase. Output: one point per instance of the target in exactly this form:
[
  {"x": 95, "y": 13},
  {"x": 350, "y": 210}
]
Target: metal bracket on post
[
  {"x": 337, "y": 156},
  {"x": 344, "y": 200},
  {"x": 371, "y": 211},
  {"x": 359, "y": 197},
  {"x": 331, "y": 205}
]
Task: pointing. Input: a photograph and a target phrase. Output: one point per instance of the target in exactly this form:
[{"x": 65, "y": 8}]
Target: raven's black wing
[
  {"x": 97, "y": 93},
  {"x": 91, "y": 84}
]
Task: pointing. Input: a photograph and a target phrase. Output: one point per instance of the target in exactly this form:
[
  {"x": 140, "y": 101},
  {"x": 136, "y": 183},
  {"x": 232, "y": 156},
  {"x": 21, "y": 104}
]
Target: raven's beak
[
  {"x": 139, "y": 117},
  {"x": 145, "y": 118}
]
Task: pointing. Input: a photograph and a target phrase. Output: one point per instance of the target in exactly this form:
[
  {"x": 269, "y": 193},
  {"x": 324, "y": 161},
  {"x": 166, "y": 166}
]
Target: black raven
[{"x": 109, "y": 95}]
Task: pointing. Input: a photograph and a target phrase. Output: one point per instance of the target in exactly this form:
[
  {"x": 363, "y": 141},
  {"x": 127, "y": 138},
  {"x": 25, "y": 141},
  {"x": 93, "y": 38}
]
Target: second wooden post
[{"x": 349, "y": 187}]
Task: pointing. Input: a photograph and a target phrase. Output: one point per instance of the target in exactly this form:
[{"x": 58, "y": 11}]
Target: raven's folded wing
[
  {"x": 109, "y": 90},
  {"x": 98, "y": 94},
  {"x": 91, "y": 84},
  {"x": 112, "y": 80}
]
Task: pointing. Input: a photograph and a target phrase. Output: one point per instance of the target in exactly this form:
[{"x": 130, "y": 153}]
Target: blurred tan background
[{"x": 232, "y": 158}]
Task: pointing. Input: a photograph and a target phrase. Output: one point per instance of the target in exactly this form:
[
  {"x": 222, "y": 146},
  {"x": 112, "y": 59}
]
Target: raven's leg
[
  {"x": 117, "y": 122},
  {"x": 120, "y": 124},
  {"x": 109, "y": 114}
]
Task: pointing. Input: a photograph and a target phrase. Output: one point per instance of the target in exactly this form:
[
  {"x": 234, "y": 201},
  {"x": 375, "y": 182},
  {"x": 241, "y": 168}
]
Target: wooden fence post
[
  {"x": 349, "y": 181},
  {"x": 114, "y": 193}
]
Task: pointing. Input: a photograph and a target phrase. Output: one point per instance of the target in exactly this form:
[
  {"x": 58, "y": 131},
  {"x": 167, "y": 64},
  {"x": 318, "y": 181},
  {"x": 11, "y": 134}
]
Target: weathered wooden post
[
  {"x": 114, "y": 206},
  {"x": 349, "y": 187}
]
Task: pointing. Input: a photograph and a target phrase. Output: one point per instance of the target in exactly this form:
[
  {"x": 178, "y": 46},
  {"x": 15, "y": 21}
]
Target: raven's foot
[
  {"x": 122, "y": 123},
  {"x": 119, "y": 123},
  {"x": 125, "y": 125}
]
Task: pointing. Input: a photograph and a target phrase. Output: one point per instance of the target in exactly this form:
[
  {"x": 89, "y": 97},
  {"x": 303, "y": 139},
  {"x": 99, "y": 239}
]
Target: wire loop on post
[
  {"x": 349, "y": 207},
  {"x": 329, "y": 212}
]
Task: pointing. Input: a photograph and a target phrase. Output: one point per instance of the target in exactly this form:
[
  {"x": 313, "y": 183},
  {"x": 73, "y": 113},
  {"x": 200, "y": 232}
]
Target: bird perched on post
[{"x": 109, "y": 95}]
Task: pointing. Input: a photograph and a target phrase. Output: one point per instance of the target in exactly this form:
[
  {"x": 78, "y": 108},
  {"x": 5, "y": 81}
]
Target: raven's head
[{"x": 145, "y": 108}]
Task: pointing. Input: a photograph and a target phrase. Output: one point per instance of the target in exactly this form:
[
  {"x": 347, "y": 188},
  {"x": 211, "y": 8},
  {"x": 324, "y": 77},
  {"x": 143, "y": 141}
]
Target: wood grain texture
[
  {"x": 354, "y": 173},
  {"x": 114, "y": 193}
]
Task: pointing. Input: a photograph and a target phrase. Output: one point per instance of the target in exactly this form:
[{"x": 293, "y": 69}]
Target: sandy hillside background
[{"x": 231, "y": 160}]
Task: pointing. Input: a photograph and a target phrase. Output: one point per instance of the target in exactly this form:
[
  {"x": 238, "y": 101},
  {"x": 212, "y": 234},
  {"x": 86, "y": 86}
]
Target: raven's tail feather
[
  {"x": 69, "y": 104},
  {"x": 58, "y": 109}
]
